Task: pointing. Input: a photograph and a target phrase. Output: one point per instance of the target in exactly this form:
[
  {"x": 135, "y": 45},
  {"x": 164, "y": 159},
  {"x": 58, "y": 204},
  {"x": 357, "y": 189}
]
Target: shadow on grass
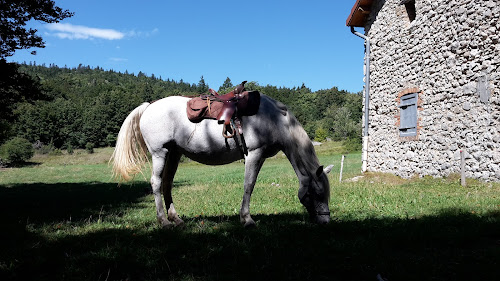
[
  {"x": 454, "y": 245},
  {"x": 21, "y": 164},
  {"x": 45, "y": 203},
  {"x": 40, "y": 203}
]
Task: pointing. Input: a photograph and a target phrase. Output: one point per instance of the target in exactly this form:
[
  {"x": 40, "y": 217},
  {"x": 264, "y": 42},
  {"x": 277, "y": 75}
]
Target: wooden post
[
  {"x": 341, "y": 168},
  {"x": 462, "y": 167}
]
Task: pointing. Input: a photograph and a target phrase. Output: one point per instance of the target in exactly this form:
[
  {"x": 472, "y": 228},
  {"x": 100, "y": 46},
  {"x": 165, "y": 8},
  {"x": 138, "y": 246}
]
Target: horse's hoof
[
  {"x": 167, "y": 225},
  {"x": 250, "y": 224},
  {"x": 179, "y": 224}
]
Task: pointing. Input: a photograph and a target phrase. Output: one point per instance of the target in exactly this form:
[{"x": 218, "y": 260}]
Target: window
[
  {"x": 411, "y": 11},
  {"x": 408, "y": 115}
]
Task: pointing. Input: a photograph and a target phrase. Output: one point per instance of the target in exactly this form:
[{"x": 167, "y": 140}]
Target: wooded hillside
[{"x": 86, "y": 106}]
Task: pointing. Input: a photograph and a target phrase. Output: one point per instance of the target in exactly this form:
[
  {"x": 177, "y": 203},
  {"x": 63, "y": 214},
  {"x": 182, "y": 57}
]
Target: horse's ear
[
  {"x": 325, "y": 170},
  {"x": 319, "y": 171},
  {"x": 328, "y": 169}
]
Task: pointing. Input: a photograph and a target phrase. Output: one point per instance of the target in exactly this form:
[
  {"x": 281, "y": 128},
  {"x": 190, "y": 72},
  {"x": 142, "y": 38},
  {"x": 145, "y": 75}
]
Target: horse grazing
[{"x": 164, "y": 130}]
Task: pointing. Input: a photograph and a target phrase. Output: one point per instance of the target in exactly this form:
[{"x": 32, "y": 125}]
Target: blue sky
[{"x": 280, "y": 43}]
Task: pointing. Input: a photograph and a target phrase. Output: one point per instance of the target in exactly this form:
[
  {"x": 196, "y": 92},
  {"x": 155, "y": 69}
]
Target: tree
[
  {"x": 14, "y": 14},
  {"x": 340, "y": 121},
  {"x": 16, "y": 150},
  {"x": 16, "y": 87},
  {"x": 202, "y": 87},
  {"x": 226, "y": 85},
  {"x": 320, "y": 134}
]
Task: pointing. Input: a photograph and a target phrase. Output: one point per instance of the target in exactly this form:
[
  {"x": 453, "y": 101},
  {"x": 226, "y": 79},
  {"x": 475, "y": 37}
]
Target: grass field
[{"x": 65, "y": 218}]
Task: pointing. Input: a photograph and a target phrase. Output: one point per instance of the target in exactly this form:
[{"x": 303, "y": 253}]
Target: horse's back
[{"x": 165, "y": 123}]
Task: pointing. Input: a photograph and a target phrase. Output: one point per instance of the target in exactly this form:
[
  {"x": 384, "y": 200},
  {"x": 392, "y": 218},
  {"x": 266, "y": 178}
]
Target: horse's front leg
[
  {"x": 158, "y": 164},
  {"x": 253, "y": 163},
  {"x": 168, "y": 180}
]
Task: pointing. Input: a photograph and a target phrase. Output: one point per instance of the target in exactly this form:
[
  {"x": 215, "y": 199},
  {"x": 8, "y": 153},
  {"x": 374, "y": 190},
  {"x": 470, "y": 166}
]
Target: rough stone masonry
[{"x": 448, "y": 52}]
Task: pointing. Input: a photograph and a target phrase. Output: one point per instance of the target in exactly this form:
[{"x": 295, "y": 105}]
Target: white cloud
[
  {"x": 118, "y": 59},
  {"x": 69, "y": 31},
  {"x": 135, "y": 33}
]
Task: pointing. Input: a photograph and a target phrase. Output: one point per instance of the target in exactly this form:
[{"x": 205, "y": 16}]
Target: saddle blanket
[{"x": 199, "y": 108}]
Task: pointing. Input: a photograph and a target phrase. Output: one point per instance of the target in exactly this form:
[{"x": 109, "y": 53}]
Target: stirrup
[{"x": 225, "y": 131}]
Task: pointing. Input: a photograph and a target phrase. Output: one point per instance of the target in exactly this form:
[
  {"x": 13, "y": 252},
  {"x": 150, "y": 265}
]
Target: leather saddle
[{"x": 227, "y": 109}]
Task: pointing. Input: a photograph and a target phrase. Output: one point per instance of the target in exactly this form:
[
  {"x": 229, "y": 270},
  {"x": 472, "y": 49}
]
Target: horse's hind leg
[
  {"x": 167, "y": 183},
  {"x": 158, "y": 159}
]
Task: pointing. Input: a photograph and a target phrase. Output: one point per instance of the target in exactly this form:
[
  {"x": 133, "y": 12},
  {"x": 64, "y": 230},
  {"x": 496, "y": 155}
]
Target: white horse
[{"x": 162, "y": 127}]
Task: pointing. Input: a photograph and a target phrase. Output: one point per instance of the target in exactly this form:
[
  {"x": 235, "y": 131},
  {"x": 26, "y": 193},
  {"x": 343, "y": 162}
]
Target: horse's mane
[
  {"x": 298, "y": 143},
  {"x": 303, "y": 150}
]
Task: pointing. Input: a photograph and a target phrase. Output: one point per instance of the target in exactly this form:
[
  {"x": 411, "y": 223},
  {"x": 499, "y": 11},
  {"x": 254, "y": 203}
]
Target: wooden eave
[{"x": 359, "y": 13}]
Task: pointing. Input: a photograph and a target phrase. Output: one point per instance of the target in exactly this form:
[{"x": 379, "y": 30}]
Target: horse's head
[{"x": 315, "y": 195}]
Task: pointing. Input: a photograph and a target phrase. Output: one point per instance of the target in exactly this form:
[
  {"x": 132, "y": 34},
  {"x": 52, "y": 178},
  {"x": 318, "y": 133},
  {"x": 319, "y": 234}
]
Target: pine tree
[
  {"x": 202, "y": 87},
  {"x": 226, "y": 85}
]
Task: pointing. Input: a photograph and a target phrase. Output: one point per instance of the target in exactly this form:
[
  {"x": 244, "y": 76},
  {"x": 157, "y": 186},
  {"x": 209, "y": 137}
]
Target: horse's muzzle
[{"x": 322, "y": 218}]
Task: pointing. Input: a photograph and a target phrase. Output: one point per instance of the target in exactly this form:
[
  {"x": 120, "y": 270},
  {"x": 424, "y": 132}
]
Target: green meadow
[{"x": 64, "y": 218}]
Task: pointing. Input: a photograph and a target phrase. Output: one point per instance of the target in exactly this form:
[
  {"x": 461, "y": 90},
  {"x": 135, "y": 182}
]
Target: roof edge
[{"x": 359, "y": 13}]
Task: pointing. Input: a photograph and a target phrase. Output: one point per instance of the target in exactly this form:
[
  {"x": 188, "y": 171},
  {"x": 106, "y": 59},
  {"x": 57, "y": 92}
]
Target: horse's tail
[{"x": 130, "y": 153}]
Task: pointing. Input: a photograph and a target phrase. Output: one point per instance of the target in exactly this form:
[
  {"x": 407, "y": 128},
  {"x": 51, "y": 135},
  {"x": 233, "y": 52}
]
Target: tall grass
[{"x": 64, "y": 217}]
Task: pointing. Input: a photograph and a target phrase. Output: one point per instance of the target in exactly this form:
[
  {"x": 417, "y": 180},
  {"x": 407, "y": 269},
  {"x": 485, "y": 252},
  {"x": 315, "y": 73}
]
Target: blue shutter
[{"x": 408, "y": 115}]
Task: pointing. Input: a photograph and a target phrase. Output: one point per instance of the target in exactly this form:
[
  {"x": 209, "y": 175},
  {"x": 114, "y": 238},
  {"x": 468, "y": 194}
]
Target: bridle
[
  {"x": 318, "y": 213},
  {"x": 308, "y": 194},
  {"x": 322, "y": 213}
]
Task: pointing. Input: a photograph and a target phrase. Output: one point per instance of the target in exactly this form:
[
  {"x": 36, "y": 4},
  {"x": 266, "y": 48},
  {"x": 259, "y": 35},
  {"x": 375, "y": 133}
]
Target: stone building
[{"x": 434, "y": 86}]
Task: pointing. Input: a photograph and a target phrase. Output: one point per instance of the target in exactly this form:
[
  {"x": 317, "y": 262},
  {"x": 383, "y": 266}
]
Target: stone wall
[{"x": 450, "y": 55}]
